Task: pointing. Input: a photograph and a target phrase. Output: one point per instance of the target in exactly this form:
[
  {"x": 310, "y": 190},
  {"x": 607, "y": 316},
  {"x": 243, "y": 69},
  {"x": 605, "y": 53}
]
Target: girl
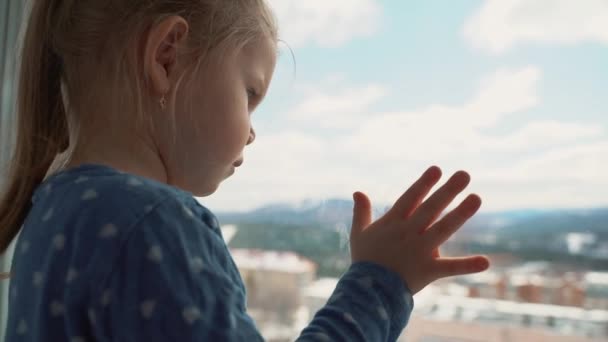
[{"x": 128, "y": 109}]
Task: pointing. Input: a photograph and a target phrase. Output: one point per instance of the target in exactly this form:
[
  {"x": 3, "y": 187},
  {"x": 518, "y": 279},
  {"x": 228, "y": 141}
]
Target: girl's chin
[{"x": 230, "y": 172}]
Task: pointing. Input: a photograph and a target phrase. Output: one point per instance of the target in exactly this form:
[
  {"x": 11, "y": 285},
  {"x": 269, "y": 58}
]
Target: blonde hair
[{"x": 77, "y": 51}]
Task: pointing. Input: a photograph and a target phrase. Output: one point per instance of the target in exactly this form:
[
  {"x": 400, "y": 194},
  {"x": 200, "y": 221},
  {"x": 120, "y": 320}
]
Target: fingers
[
  {"x": 411, "y": 199},
  {"x": 362, "y": 213},
  {"x": 4, "y": 275},
  {"x": 447, "y": 267},
  {"x": 450, "y": 223},
  {"x": 428, "y": 211}
]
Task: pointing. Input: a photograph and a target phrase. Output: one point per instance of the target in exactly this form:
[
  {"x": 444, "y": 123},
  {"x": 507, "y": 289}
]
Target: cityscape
[{"x": 518, "y": 299}]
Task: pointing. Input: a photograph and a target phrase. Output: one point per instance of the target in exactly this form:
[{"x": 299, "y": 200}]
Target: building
[
  {"x": 532, "y": 284},
  {"x": 315, "y": 296},
  {"x": 448, "y": 318},
  {"x": 483, "y": 285},
  {"x": 422, "y": 329},
  {"x": 441, "y": 318},
  {"x": 596, "y": 287},
  {"x": 275, "y": 282}
]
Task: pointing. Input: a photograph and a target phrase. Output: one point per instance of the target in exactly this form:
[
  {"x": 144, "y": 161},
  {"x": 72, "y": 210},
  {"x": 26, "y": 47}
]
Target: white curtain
[{"x": 10, "y": 25}]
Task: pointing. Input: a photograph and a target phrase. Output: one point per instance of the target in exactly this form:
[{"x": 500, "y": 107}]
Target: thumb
[{"x": 362, "y": 213}]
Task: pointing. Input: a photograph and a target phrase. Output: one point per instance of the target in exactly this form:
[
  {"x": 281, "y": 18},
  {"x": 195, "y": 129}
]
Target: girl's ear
[{"x": 161, "y": 51}]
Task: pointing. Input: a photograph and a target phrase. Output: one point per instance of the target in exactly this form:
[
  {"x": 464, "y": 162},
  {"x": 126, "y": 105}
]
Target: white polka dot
[
  {"x": 22, "y": 327},
  {"x": 89, "y": 195},
  {"x": 197, "y": 264},
  {"x": 155, "y": 254},
  {"x": 147, "y": 308},
  {"x": 191, "y": 314},
  {"x": 349, "y": 318},
  {"x": 25, "y": 246},
  {"x": 77, "y": 339},
  {"x": 81, "y": 179},
  {"x": 108, "y": 231},
  {"x": 57, "y": 308},
  {"x": 366, "y": 282},
  {"x": 148, "y": 208},
  {"x": 323, "y": 337},
  {"x": 105, "y": 297},
  {"x": 92, "y": 317},
  {"x": 48, "y": 215},
  {"x": 38, "y": 278},
  {"x": 188, "y": 211},
  {"x": 134, "y": 181},
  {"x": 382, "y": 312},
  {"x": 59, "y": 242},
  {"x": 72, "y": 274}
]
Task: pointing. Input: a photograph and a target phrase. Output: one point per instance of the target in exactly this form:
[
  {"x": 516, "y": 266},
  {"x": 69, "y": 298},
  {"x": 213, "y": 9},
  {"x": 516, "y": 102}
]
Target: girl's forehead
[
  {"x": 259, "y": 54},
  {"x": 263, "y": 48}
]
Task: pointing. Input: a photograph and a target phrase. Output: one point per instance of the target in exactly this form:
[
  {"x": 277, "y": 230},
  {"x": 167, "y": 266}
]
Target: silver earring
[{"x": 162, "y": 102}]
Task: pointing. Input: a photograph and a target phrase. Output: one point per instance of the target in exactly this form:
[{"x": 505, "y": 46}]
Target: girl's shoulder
[
  {"x": 94, "y": 184},
  {"x": 93, "y": 224},
  {"x": 95, "y": 201}
]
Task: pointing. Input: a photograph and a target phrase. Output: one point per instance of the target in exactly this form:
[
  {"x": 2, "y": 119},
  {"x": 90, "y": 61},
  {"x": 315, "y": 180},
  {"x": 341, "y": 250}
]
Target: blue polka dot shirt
[{"x": 109, "y": 256}]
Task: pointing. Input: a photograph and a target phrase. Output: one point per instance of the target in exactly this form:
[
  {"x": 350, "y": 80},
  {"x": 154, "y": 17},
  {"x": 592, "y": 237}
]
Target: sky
[{"x": 376, "y": 91}]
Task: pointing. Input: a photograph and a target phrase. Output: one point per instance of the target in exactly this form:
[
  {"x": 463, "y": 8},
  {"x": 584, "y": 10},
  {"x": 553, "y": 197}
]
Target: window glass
[{"x": 377, "y": 91}]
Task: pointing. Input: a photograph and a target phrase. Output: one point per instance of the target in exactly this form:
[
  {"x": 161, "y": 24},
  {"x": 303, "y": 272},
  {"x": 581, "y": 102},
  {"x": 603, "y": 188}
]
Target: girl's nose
[{"x": 251, "y": 136}]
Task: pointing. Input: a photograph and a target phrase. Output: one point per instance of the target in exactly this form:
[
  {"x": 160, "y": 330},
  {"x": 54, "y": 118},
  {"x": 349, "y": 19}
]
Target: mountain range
[{"x": 334, "y": 213}]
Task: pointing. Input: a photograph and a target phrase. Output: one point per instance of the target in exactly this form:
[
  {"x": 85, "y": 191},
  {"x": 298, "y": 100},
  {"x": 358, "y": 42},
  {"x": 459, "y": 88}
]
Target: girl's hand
[{"x": 406, "y": 239}]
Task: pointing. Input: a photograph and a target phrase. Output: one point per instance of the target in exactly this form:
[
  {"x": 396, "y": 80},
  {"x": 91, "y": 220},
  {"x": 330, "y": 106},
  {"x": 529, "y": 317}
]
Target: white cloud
[
  {"x": 338, "y": 110},
  {"x": 568, "y": 177},
  {"x": 586, "y": 162},
  {"x": 382, "y": 153},
  {"x": 542, "y": 134},
  {"x": 447, "y": 130},
  {"x": 499, "y": 25},
  {"x": 506, "y": 91},
  {"x": 326, "y": 23}
]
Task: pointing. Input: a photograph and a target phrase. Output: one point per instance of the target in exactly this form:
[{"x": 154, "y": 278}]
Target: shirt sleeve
[
  {"x": 170, "y": 284},
  {"x": 370, "y": 303}
]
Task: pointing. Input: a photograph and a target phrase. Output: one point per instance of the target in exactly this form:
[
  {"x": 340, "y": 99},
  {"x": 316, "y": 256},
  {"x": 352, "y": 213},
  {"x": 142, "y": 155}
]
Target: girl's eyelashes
[
  {"x": 252, "y": 94},
  {"x": 253, "y": 98}
]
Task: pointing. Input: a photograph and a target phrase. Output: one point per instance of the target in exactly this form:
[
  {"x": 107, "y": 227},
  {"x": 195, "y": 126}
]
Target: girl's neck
[{"x": 136, "y": 156}]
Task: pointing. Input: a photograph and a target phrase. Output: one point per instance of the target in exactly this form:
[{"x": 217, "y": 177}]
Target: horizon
[{"x": 311, "y": 203}]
